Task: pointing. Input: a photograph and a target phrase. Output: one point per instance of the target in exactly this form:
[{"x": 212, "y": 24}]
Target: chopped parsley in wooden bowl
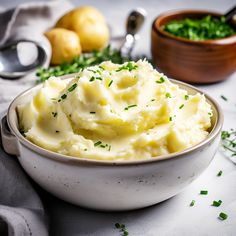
[
  {"x": 194, "y": 46},
  {"x": 204, "y": 28}
]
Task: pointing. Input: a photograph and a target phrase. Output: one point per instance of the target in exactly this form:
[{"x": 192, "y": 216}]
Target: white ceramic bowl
[{"x": 110, "y": 185}]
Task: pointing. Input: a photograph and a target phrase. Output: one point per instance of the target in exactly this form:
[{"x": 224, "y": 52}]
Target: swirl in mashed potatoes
[{"x": 115, "y": 112}]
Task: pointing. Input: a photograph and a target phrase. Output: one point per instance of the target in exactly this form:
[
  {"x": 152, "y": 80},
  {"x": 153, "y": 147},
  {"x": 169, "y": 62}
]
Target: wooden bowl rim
[{"x": 156, "y": 27}]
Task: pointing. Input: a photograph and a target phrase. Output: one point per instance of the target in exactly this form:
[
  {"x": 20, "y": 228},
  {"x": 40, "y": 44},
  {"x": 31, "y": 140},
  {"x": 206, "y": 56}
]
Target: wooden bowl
[{"x": 206, "y": 61}]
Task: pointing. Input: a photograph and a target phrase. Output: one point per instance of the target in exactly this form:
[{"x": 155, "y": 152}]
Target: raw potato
[
  {"x": 89, "y": 24},
  {"x": 65, "y": 45}
]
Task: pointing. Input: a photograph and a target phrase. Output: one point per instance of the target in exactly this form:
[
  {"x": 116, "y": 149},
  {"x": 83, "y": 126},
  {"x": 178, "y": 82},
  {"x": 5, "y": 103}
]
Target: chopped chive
[
  {"x": 152, "y": 100},
  {"x": 170, "y": 118},
  {"x": 57, "y": 131},
  {"x": 97, "y": 143},
  {"x": 110, "y": 83},
  {"x": 92, "y": 79},
  {"x": 85, "y": 149},
  {"x": 99, "y": 78},
  {"x": 168, "y": 95},
  {"x": 102, "y": 146},
  {"x": 216, "y": 203},
  {"x": 117, "y": 225},
  {"x": 64, "y": 96},
  {"x": 220, "y": 173},
  {"x": 101, "y": 67},
  {"x": 59, "y": 100},
  {"x": 92, "y": 112},
  {"x": 122, "y": 229},
  {"x": 109, "y": 148},
  {"x": 54, "y": 114},
  {"x": 92, "y": 70},
  {"x": 130, "y": 106},
  {"x": 192, "y": 203},
  {"x": 95, "y": 71},
  {"x": 223, "y": 216},
  {"x": 186, "y": 97},
  {"x": 224, "y": 98},
  {"x": 160, "y": 81},
  {"x": 209, "y": 113},
  {"x": 203, "y": 192},
  {"x": 70, "y": 89},
  {"x": 125, "y": 233},
  {"x": 181, "y": 106},
  {"x": 99, "y": 72},
  {"x": 128, "y": 66}
]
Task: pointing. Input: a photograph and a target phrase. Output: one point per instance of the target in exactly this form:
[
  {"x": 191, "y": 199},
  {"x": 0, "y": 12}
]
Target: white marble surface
[{"x": 174, "y": 216}]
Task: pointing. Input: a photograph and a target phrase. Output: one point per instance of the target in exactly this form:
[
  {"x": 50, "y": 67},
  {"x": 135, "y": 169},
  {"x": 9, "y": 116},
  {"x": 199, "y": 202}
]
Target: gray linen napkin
[{"x": 21, "y": 210}]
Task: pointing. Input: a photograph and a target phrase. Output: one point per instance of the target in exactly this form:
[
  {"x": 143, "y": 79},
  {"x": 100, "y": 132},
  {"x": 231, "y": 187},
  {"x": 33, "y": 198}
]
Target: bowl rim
[
  {"x": 44, "y": 153},
  {"x": 157, "y": 29}
]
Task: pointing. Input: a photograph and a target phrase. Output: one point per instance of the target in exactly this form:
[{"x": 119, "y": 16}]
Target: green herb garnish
[
  {"x": 128, "y": 66},
  {"x": 81, "y": 62},
  {"x": 122, "y": 229},
  {"x": 102, "y": 145},
  {"x": 63, "y": 96},
  {"x": 72, "y": 87},
  {"x": 97, "y": 143},
  {"x": 92, "y": 79},
  {"x": 101, "y": 67},
  {"x": 192, "y": 203},
  {"x": 57, "y": 131},
  {"x": 170, "y": 118},
  {"x": 54, "y": 114},
  {"x": 186, "y": 97},
  {"x": 220, "y": 173},
  {"x": 216, "y": 203},
  {"x": 208, "y": 27},
  {"x": 130, "y": 106},
  {"x": 92, "y": 112},
  {"x": 168, "y": 95},
  {"x": 224, "y": 98},
  {"x": 181, "y": 106},
  {"x": 228, "y": 141},
  {"x": 203, "y": 192},
  {"x": 223, "y": 216},
  {"x": 95, "y": 71},
  {"x": 160, "y": 81},
  {"x": 110, "y": 83}
]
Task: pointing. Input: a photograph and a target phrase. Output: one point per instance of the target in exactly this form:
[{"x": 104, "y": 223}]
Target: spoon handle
[
  {"x": 134, "y": 23},
  {"x": 229, "y": 14}
]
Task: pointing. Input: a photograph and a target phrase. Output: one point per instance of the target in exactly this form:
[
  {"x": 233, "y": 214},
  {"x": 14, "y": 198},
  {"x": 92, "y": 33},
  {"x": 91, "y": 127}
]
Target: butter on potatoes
[{"x": 115, "y": 112}]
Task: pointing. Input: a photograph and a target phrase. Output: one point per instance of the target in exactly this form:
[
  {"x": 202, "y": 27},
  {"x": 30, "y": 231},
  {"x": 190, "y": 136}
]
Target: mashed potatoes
[{"x": 115, "y": 112}]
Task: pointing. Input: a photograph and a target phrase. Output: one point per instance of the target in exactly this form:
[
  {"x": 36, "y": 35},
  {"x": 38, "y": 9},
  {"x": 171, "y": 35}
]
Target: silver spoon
[
  {"x": 134, "y": 23},
  {"x": 20, "y": 58}
]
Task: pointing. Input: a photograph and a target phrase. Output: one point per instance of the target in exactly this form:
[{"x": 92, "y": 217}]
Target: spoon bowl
[{"x": 20, "y": 58}]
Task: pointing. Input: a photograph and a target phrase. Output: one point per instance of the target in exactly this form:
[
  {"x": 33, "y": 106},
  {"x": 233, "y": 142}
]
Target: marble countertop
[{"x": 174, "y": 216}]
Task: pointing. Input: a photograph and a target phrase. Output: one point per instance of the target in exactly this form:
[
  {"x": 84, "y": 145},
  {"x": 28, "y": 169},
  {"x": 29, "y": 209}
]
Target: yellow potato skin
[
  {"x": 65, "y": 45},
  {"x": 89, "y": 24}
]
